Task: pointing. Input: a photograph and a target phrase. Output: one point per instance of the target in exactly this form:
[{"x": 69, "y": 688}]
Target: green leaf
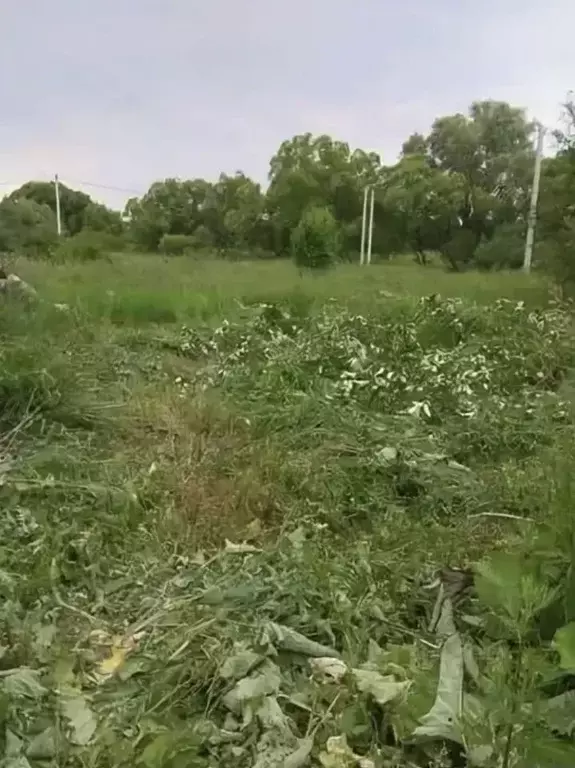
[
  {"x": 549, "y": 753},
  {"x": 16, "y": 762},
  {"x": 443, "y": 719},
  {"x": 43, "y": 746},
  {"x": 239, "y": 664},
  {"x": 384, "y": 689},
  {"x": 265, "y": 682},
  {"x": 564, "y": 643},
  {"x": 289, "y": 640},
  {"x": 559, "y": 713},
  {"x": 80, "y": 717},
  {"x": 24, "y": 683},
  {"x": 512, "y": 590},
  {"x": 282, "y": 750}
]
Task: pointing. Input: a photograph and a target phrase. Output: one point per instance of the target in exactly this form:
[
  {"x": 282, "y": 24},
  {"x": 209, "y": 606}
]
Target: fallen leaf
[
  {"x": 265, "y": 682},
  {"x": 80, "y": 718},
  {"x": 239, "y": 549},
  {"x": 24, "y": 683},
  {"x": 383, "y": 689},
  {"x": 288, "y": 639},
  {"x": 329, "y": 667},
  {"x": 442, "y": 720}
]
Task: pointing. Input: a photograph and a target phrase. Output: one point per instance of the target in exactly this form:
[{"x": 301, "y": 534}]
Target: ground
[{"x": 227, "y": 489}]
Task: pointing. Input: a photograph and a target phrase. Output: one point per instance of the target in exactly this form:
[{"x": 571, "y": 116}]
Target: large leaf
[
  {"x": 443, "y": 719},
  {"x": 281, "y": 750},
  {"x": 512, "y": 590},
  {"x": 288, "y": 639},
  {"x": 564, "y": 643},
  {"x": 77, "y": 713},
  {"x": 384, "y": 689},
  {"x": 24, "y": 683},
  {"x": 265, "y": 682}
]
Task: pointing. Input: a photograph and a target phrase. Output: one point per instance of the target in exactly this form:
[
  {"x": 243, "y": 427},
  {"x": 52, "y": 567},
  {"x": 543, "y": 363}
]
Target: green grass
[
  {"x": 213, "y": 472},
  {"x": 139, "y": 289}
]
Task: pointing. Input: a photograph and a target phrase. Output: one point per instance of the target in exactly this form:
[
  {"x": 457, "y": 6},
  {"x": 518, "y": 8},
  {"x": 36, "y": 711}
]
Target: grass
[{"x": 225, "y": 488}]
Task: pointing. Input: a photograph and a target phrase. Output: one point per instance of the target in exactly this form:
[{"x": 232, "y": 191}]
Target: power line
[
  {"x": 104, "y": 186},
  {"x": 93, "y": 184}
]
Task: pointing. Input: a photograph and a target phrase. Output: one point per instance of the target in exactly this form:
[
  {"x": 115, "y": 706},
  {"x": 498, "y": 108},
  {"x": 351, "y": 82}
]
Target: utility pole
[
  {"x": 58, "y": 212},
  {"x": 363, "y": 226},
  {"x": 532, "y": 217},
  {"x": 370, "y": 235}
]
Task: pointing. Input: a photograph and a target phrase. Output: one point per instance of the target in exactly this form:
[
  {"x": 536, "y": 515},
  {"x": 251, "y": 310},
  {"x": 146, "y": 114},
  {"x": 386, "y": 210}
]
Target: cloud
[{"x": 122, "y": 92}]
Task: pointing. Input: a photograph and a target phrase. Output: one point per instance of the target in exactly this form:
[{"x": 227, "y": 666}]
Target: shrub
[
  {"x": 504, "y": 250},
  {"x": 177, "y": 245},
  {"x": 85, "y": 246},
  {"x": 316, "y": 241},
  {"x": 27, "y": 228}
]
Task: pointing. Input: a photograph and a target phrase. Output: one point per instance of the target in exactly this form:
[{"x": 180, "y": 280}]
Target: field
[{"x": 228, "y": 491}]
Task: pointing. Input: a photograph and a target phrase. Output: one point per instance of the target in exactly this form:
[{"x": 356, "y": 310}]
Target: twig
[
  {"x": 504, "y": 515},
  {"x": 60, "y": 601}
]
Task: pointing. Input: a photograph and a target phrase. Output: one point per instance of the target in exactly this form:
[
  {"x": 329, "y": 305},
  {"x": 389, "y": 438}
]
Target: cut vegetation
[{"x": 254, "y": 519}]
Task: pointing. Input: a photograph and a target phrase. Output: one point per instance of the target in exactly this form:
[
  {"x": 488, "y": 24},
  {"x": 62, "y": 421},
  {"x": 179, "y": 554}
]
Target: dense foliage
[{"x": 462, "y": 192}]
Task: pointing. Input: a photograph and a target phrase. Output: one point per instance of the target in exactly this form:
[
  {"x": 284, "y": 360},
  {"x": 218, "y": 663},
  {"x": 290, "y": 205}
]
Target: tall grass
[{"x": 139, "y": 289}]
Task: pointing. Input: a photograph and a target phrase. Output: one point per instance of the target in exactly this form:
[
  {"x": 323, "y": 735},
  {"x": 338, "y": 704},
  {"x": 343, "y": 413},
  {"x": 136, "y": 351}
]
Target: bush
[
  {"x": 27, "y": 228},
  {"x": 177, "y": 245},
  {"x": 505, "y": 250},
  {"x": 316, "y": 241},
  {"x": 85, "y": 246},
  {"x": 557, "y": 257}
]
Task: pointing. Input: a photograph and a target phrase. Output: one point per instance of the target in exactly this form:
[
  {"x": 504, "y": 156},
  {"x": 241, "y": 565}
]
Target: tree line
[{"x": 462, "y": 191}]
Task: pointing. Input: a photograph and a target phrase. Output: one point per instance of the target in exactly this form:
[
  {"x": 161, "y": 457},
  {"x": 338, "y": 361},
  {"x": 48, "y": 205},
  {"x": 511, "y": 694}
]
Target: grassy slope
[{"x": 135, "y": 441}]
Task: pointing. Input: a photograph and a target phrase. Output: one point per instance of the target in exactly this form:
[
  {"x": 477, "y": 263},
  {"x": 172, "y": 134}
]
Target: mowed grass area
[{"x": 212, "y": 473}]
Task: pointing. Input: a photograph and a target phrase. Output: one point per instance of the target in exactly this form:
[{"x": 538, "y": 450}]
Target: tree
[
  {"x": 72, "y": 202},
  {"x": 556, "y": 215},
  {"x": 425, "y": 201},
  {"x": 234, "y": 212},
  {"x": 99, "y": 218},
  {"x": 26, "y": 227},
  {"x": 491, "y": 150},
  {"x": 316, "y": 240},
  {"x": 318, "y": 172},
  {"x": 78, "y": 211},
  {"x": 416, "y": 144},
  {"x": 169, "y": 207}
]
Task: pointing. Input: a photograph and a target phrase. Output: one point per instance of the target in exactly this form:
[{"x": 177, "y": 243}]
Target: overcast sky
[{"x": 120, "y": 93}]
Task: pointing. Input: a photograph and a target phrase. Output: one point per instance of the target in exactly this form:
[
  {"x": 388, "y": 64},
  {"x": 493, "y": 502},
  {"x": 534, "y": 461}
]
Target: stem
[{"x": 514, "y": 678}]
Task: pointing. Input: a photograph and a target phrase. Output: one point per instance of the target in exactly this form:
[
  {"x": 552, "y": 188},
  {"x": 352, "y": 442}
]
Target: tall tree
[
  {"x": 425, "y": 201},
  {"x": 491, "y": 149},
  {"x": 318, "y": 172},
  {"x": 72, "y": 202},
  {"x": 26, "y": 226},
  {"x": 169, "y": 207},
  {"x": 234, "y": 211}
]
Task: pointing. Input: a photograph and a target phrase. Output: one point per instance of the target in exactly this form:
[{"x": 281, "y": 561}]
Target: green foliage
[
  {"x": 316, "y": 242},
  {"x": 177, "y": 245},
  {"x": 73, "y": 204},
  {"x": 85, "y": 246},
  {"x": 505, "y": 250},
  {"x": 26, "y": 227}
]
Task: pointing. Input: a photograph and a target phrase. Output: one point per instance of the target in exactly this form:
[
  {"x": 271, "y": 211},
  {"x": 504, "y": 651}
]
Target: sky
[{"x": 116, "y": 94}]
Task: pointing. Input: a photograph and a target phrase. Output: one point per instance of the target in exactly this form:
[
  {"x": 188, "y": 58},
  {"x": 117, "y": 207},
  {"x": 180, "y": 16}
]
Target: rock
[{"x": 13, "y": 286}]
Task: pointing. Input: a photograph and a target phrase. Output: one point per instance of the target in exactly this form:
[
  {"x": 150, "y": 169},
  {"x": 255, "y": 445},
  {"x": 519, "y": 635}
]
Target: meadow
[{"x": 257, "y": 518}]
